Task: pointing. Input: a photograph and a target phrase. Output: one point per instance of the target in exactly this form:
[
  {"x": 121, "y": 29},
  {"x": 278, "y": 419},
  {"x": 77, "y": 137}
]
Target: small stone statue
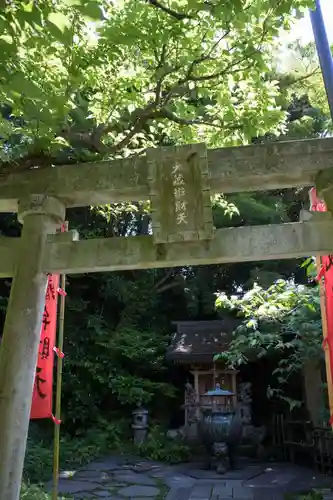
[{"x": 191, "y": 402}]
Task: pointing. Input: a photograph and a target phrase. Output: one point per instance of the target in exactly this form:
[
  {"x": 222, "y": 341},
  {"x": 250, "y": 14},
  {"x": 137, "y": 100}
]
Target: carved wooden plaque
[{"x": 179, "y": 193}]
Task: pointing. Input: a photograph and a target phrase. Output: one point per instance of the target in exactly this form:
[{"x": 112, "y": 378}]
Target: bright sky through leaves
[{"x": 303, "y": 28}]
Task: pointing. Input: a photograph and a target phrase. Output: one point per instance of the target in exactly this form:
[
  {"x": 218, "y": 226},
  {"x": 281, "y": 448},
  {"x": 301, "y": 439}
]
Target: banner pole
[
  {"x": 56, "y": 451},
  {"x": 323, "y": 50}
]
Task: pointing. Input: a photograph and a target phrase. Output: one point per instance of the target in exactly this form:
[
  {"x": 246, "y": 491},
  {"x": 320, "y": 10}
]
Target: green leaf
[
  {"x": 307, "y": 262},
  {"x": 20, "y": 84},
  {"x": 28, "y": 7},
  {"x": 60, "y": 21},
  {"x": 73, "y": 2},
  {"x": 92, "y": 10},
  {"x": 293, "y": 403},
  {"x": 6, "y": 39}
]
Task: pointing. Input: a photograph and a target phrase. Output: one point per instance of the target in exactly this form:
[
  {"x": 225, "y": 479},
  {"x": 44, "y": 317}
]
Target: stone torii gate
[{"x": 179, "y": 182}]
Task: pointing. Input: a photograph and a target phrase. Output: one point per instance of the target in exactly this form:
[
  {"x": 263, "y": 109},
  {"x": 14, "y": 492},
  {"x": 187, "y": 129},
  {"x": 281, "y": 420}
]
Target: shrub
[
  {"x": 38, "y": 461},
  {"x": 161, "y": 448},
  {"x": 312, "y": 495},
  {"x": 74, "y": 452},
  {"x": 29, "y": 492}
]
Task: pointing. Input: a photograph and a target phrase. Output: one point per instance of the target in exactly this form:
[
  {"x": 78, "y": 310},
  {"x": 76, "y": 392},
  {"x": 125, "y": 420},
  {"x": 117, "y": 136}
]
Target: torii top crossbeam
[{"x": 233, "y": 169}]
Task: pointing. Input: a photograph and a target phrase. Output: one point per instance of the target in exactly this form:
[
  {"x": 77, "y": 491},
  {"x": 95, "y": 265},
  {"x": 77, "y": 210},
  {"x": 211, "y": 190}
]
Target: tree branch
[
  {"x": 162, "y": 280},
  {"x": 302, "y": 78},
  {"x": 206, "y": 56},
  {"x": 157, "y": 108},
  {"x": 176, "y": 15},
  {"x": 93, "y": 139},
  {"x": 135, "y": 130},
  {"x": 168, "y": 286},
  {"x": 165, "y": 113}
]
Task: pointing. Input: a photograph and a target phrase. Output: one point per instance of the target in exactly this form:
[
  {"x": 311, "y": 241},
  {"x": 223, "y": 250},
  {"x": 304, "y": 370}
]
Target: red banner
[
  {"x": 326, "y": 272},
  {"x": 42, "y": 395}
]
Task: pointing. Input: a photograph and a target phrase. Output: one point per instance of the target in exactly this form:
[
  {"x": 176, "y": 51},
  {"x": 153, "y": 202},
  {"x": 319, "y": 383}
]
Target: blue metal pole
[{"x": 324, "y": 51}]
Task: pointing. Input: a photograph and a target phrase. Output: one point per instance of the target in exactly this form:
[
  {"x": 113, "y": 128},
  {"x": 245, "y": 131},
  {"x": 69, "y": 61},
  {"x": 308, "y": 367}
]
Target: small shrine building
[{"x": 195, "y": 344}]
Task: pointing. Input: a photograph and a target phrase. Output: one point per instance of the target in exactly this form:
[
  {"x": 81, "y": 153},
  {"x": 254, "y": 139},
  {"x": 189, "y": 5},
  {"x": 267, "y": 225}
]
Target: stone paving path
[{"x": 115, "y": 478}]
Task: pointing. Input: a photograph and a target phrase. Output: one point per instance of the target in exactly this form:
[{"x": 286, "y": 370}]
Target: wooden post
[
  {"x": 21, "y": 336},
  {"x": 196, "y": 383},
  {"x": 185, "y": 409},
  {"x": 325, "y": 336},
  {"x": 196, "y": 388},
  {"x": 234, "y": 387},
  {"x": 56, "y": 450}
]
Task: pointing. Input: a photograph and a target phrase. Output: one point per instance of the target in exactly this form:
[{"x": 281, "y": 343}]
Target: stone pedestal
[
  {"x": 244, "y": 405},
  {"x": 19, "y": 347}
]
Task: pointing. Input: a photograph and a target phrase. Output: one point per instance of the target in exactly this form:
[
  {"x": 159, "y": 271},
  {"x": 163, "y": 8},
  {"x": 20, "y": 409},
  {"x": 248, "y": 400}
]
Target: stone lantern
[
  {"x": 220, "y": 399},
  {"x": 140, "y": 425}
]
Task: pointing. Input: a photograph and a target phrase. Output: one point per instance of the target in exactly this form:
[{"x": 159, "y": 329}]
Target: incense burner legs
[{"x": 220, "y": 432}]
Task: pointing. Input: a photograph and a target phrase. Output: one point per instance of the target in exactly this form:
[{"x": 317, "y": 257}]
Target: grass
[
  {"x": 163, "y": 490},
  {"x": 303, "y": 495},
  {"x": 33, "y": 492}
]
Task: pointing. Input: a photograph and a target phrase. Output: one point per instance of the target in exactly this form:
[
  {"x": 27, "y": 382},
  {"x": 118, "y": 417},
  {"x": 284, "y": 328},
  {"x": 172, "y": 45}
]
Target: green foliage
[
  {"x": 159, "y": 447},
  {"x": 312, "y": 495},
  {"x": 303, "y": 93},
  {"x": 120, "y": 358},
  {"x": 306, "y": 80},
  {"x": 33, "y": 492},
  {"x": 97, "y": 441},
  {"x": 92, "y": 79},
  {"x": 38, "y": 461},
  {"x": 100, "y": 440},
  {"x": 285, "y": 319}
]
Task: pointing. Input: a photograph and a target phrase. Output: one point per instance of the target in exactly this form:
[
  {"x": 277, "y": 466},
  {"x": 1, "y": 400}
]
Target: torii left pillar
[{"x": 40, "y": 215}]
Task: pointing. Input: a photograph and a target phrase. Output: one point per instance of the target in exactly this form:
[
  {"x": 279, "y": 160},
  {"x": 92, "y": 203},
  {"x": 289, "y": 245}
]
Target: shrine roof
[{"x": 199, "y": 341}]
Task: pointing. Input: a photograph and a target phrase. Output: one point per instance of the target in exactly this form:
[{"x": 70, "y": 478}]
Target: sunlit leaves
[
  {"x": 109, "y": 77},
  {"x": 91, "y": 10},
  {"x": 20, "y": 84},
  {"x": 283, "y": 319},
  {"x": 59, "y": 20},
  {"x": 304, "y": 91}
]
